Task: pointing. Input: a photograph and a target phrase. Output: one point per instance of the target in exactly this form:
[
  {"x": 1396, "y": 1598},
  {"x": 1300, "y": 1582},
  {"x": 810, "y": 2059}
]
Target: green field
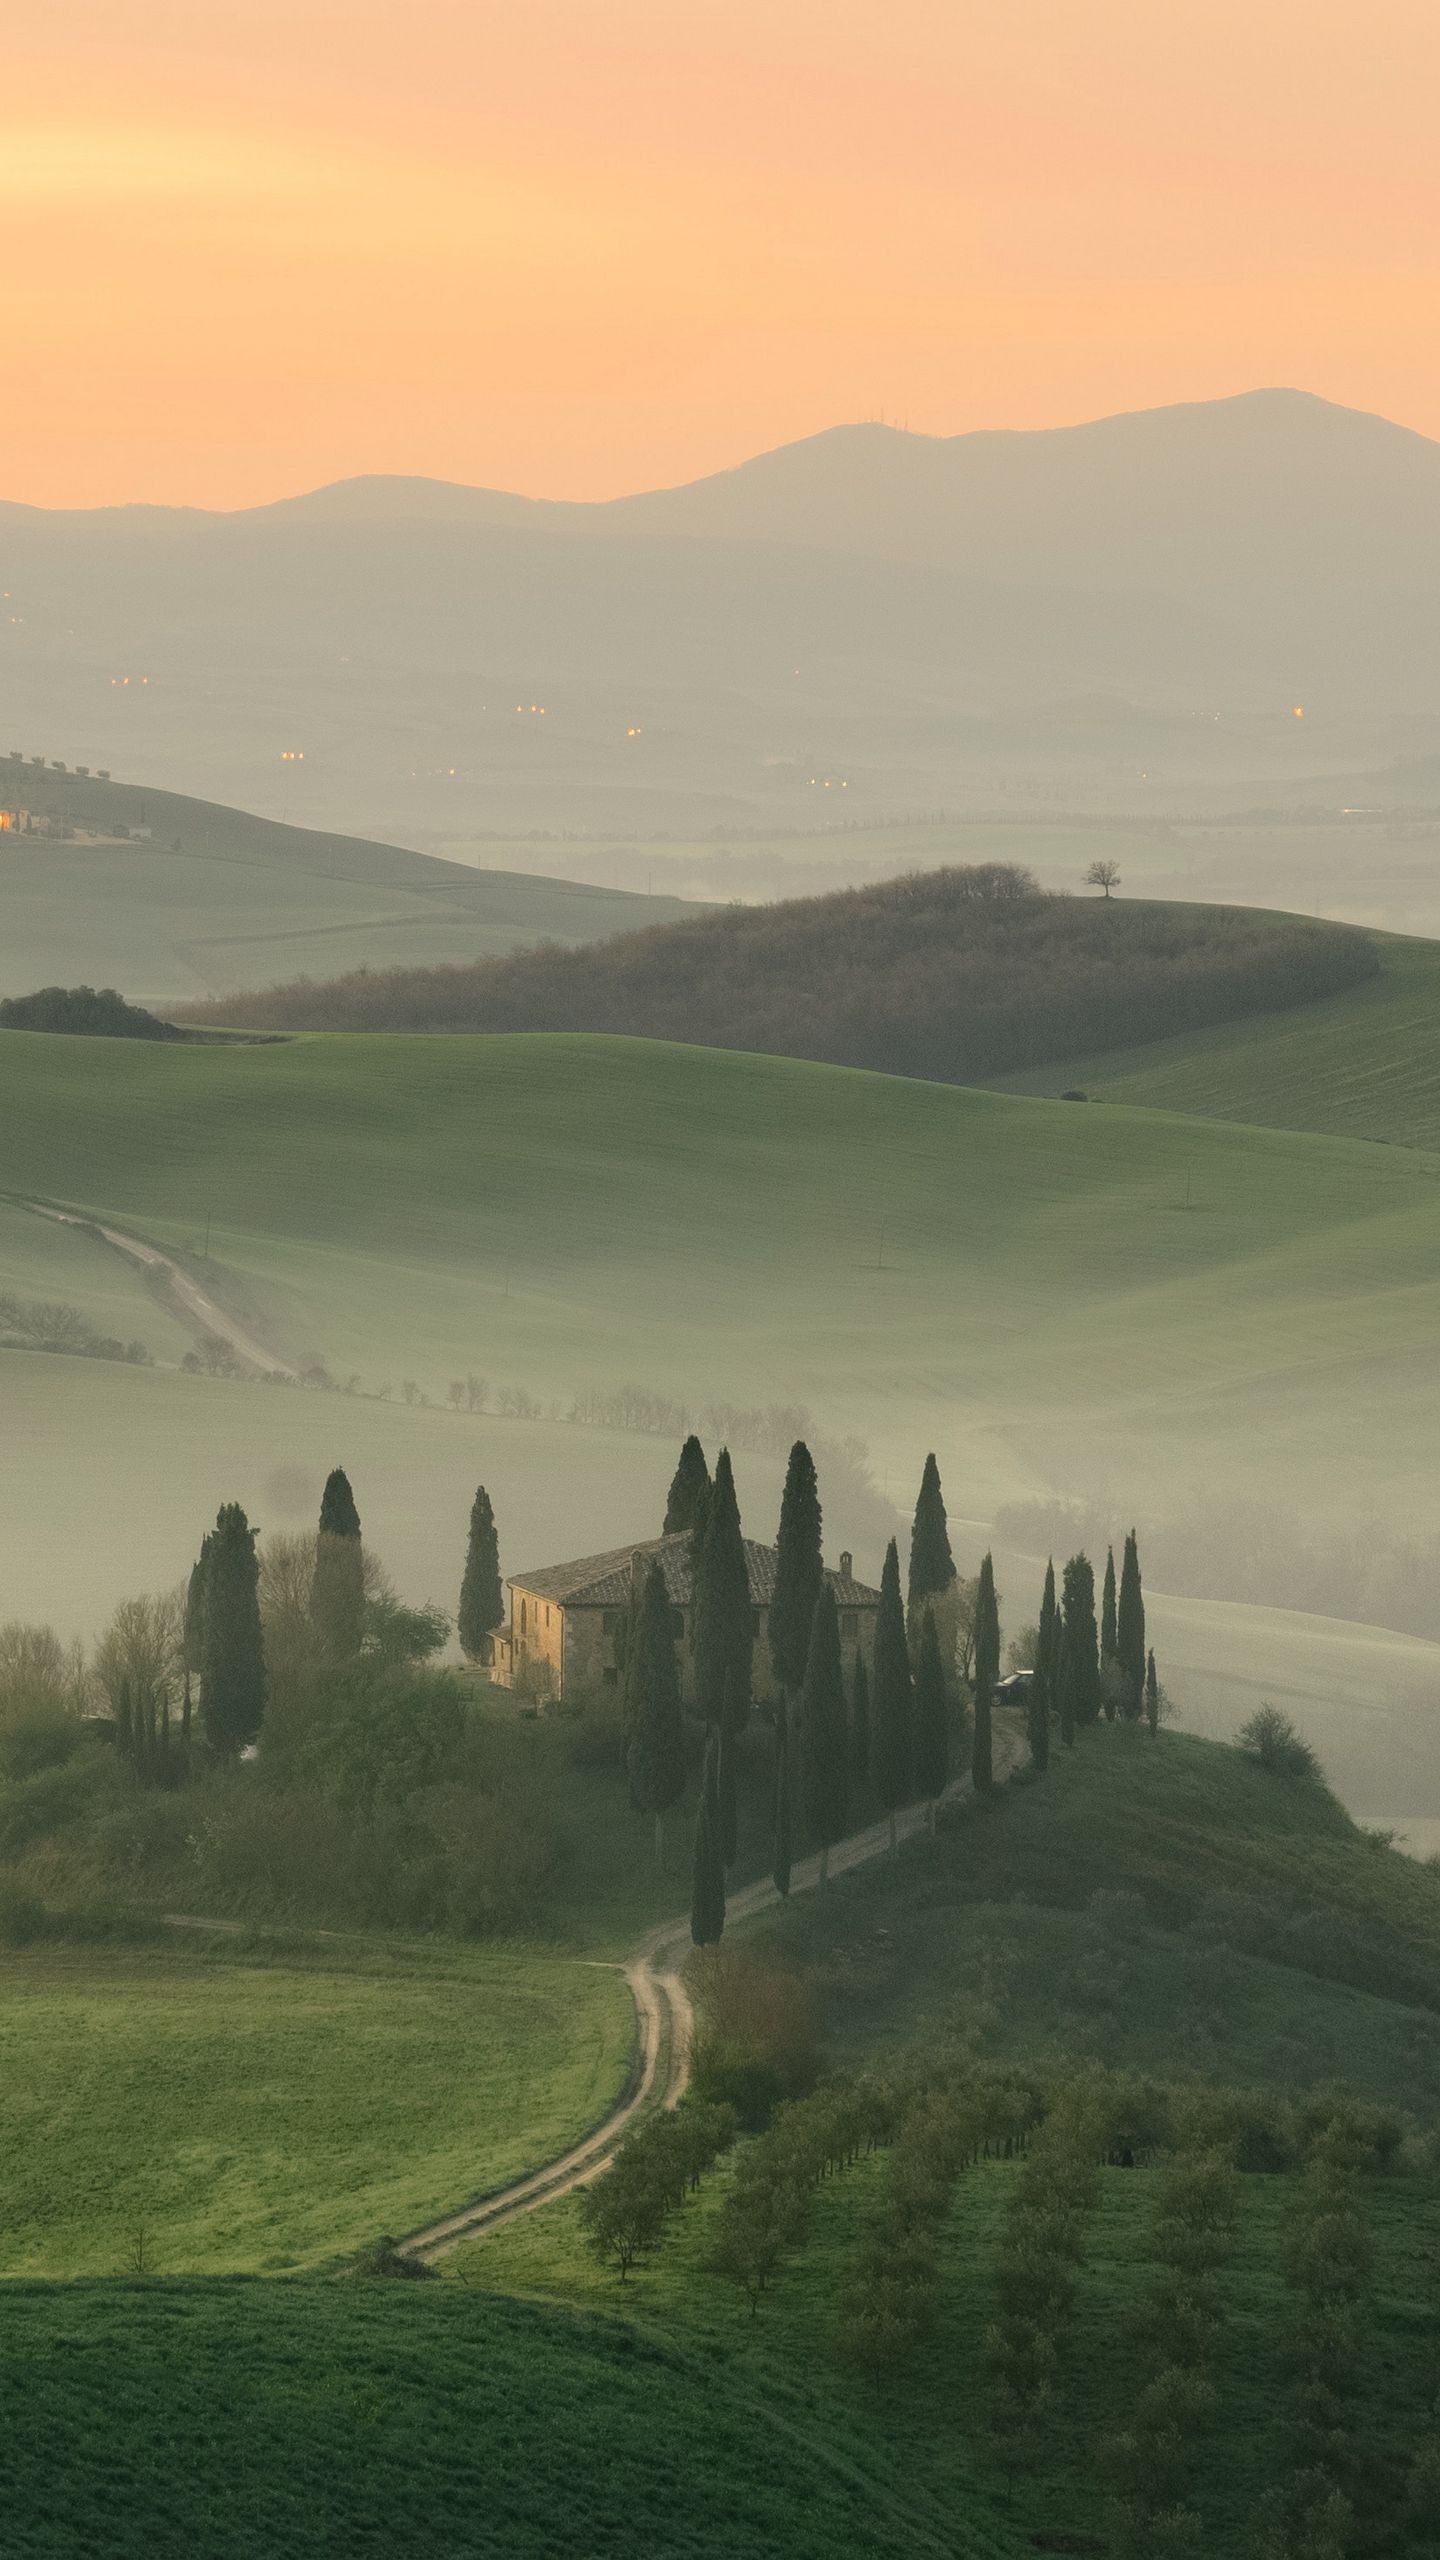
[
  {"x": 1365, "y": 1064},
  {"x": 218, "y": 899},
  {"x": 1111, "y": 1302},
  {"x": 272, "y": 2113}
]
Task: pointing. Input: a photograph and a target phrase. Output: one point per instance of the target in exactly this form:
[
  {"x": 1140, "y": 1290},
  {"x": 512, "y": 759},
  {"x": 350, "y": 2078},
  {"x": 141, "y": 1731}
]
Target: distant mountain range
[{"x": 920, "y": 621}]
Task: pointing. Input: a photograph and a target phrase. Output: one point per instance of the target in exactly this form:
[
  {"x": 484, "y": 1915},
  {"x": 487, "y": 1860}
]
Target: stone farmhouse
[{"x": 560, "y": 1641}]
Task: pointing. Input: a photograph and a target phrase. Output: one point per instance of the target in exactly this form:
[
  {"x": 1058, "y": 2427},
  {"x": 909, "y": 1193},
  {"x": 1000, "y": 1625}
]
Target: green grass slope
[
  {"x": 1169, "y": 1904},
  {"x": 219, "y": 899},
  {"x": 254, "y": 2113},
  {"x": 1363, "y": 1064},
  {"x": 312, "y": 2422}
]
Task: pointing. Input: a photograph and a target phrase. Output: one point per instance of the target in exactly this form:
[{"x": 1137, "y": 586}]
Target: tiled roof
[{"x": 603, "y": 1582}]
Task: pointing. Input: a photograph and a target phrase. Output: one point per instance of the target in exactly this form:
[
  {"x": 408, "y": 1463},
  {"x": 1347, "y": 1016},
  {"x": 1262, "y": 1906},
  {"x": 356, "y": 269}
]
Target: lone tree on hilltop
[
  {"x": 860, "y": 1721},
  {"x": 337, "y": 1590},
  {"x": 932, "y": 1718},
  {"x": 987, "y": 1672},
  {"x": 482, "y": 1604},
  {"x": 892, "y": 1737},
  {"x": 707, "y": 1900},
  {"x": 1103, "y": 874},
  {"x": 232, "y": 1676},
  {"x": 799, "y": 1571},
  {"x": 655, "y": 1742},
  {"x": 1079, "y": 1649},
  {"x": 689, "y": 1493},
  {"x": 932, "y": 1565},
  {"x": 1130, "y": 1630},
  {"x": 824, "y": 1757}
]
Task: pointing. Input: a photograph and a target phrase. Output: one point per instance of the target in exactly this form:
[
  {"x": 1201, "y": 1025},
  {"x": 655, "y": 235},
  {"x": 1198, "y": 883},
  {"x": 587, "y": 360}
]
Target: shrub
[
  {"x": 43, "y": 1740},
  {"x": 1271, "y": 1738},
  {"x": 388, "y": 2258}
]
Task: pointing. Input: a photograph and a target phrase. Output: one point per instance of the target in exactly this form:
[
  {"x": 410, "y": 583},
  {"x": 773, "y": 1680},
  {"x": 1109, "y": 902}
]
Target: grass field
[
  {"x": 274, "y": 2113},
  {"x": 220, "y": 899},
  {"x": 1365, "y": 1064},
  {"x": 929, "y": 2416},
  {"x": 1258, "y": 1934}
]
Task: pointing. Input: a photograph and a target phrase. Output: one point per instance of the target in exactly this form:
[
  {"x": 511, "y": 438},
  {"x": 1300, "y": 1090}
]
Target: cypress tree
[
  {"x": 892, "y": 1743},
  {"x": 192, "y": 1633},
  {"x": 1079, "y": 1648},
  {"x": 1152, "y": 1696},
  {"x": 932, "y": 1566},
  {"x": 799, "y": 1571},
  {"x": 232, "y": 1669},
  {"x": 655, "y": 1746},
  {"x": 1045, "y": 1692},
  {"x": 781, "y": 1864},
  {"x": 987, "y": 1672},
  {"x": 707, "y": 1900},
  {"x": 860, "y": 1721},
  {"x": 337, "y": 1590},
  {"x": 482, "y": 1603},
  {"x": 932, "y": 1725},
  {"x": 1108, "y": 1646},
  {"x": 824, "y": 1758},
  {"x": 724, "y": 1622},
  {"x": 727, "y": 1811},
  {"x": 1130, "y": 1630},
  {"x": 689, "y": 1488}
]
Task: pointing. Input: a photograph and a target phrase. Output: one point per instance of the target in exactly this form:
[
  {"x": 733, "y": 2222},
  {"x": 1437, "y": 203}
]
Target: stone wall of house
[{"x": 589, "y": 1651}]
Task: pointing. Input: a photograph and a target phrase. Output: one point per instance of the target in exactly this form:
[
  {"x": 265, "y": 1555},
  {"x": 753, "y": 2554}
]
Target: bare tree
[{"x": 1103, "y": 874}]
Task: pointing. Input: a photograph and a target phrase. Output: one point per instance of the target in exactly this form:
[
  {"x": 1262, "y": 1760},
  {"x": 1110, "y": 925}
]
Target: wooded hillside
[{"x": 951, "y": 975}]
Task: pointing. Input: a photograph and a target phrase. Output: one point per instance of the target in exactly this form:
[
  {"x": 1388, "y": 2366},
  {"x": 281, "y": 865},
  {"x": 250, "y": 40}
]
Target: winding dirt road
[
  {"x": 665, "y": 2028},
  {"x": 191, "y": 1302}
]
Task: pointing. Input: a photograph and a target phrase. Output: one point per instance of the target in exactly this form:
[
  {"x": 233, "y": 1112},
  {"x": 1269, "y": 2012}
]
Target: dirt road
[
  {"x": 665, "y": 2026},
  {"x": 192, "y": 1303}
]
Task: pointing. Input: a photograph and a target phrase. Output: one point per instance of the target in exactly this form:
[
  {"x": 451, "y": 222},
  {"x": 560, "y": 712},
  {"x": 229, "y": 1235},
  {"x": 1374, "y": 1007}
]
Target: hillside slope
[
  {"x": 1362, "y": 1063},
  {"x": 213, "y": 898}
]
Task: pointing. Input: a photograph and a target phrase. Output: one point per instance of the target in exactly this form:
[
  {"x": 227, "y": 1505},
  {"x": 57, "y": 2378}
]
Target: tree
[
  {"x": 932, "y": 1566},
  {"x": 1130, "y": 1630},
  {"x": 987, "y": 1672},
  {"x": 1079, "y": 1649},
  {"x": 136, "y": 1662},
  {"x": 689, "y": 1492},
  {"x": 707, "y": 1900},
  {"x": 799, "y": 1570},
  {"x": 724, "y": 1622},
  {"x": 1108, "y": 1646},
  {"x": 337, "y": 1593},
  {"x": 482, "y": 1604},
  {"x": 727, "y": 1808},
  {"x": 780, "y": 1868},
  {"x": 892, "y": 1743},
  {"x": 860, "y": 1721},
  {"x": 655, "y": 1744},
  {"x": 192, "y": 1634},
  {"x": 232, "y": 1671},
  {"x": 825, "y": 1773},
  {"x": 932, "y": 1718},
  {"x": 1152, "y": 1694},
  {"x": 1103, "y": 874}
]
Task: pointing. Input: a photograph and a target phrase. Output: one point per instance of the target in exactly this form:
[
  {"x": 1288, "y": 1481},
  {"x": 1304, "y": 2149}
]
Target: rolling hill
[
  {"x": 1105, "y": 1303},
  {"x": 178, "y": 898}
]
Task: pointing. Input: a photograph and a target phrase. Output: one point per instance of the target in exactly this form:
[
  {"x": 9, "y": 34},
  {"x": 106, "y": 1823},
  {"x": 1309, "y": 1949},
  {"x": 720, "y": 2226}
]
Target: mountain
[{"x": 1115, "y": 615}]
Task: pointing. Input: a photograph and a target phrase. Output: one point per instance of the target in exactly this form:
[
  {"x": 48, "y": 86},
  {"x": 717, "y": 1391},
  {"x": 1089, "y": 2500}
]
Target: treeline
[
  {"x": 46, "y": 1324},
  {"x": 97, "y": 1012},
  {"x": 1247, "y": 1551},
  {"x": 953, "y": 975}
]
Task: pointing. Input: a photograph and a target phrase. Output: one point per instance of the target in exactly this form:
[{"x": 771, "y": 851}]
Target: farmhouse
[{"x": 564, "y": 1618}]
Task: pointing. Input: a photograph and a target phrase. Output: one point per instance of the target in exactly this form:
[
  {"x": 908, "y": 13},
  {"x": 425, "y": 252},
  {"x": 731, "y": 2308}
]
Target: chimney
[{"x": 846, "y": 1565}]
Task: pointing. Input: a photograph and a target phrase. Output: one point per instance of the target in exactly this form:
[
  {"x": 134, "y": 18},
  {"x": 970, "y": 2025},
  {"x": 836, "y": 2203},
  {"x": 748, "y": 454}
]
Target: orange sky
[{"x": 579, "y": 246}]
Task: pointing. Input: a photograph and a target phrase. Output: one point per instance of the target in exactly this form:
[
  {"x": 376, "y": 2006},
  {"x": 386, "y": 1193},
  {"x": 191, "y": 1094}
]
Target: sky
[{"x": 578, "y": 247}]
